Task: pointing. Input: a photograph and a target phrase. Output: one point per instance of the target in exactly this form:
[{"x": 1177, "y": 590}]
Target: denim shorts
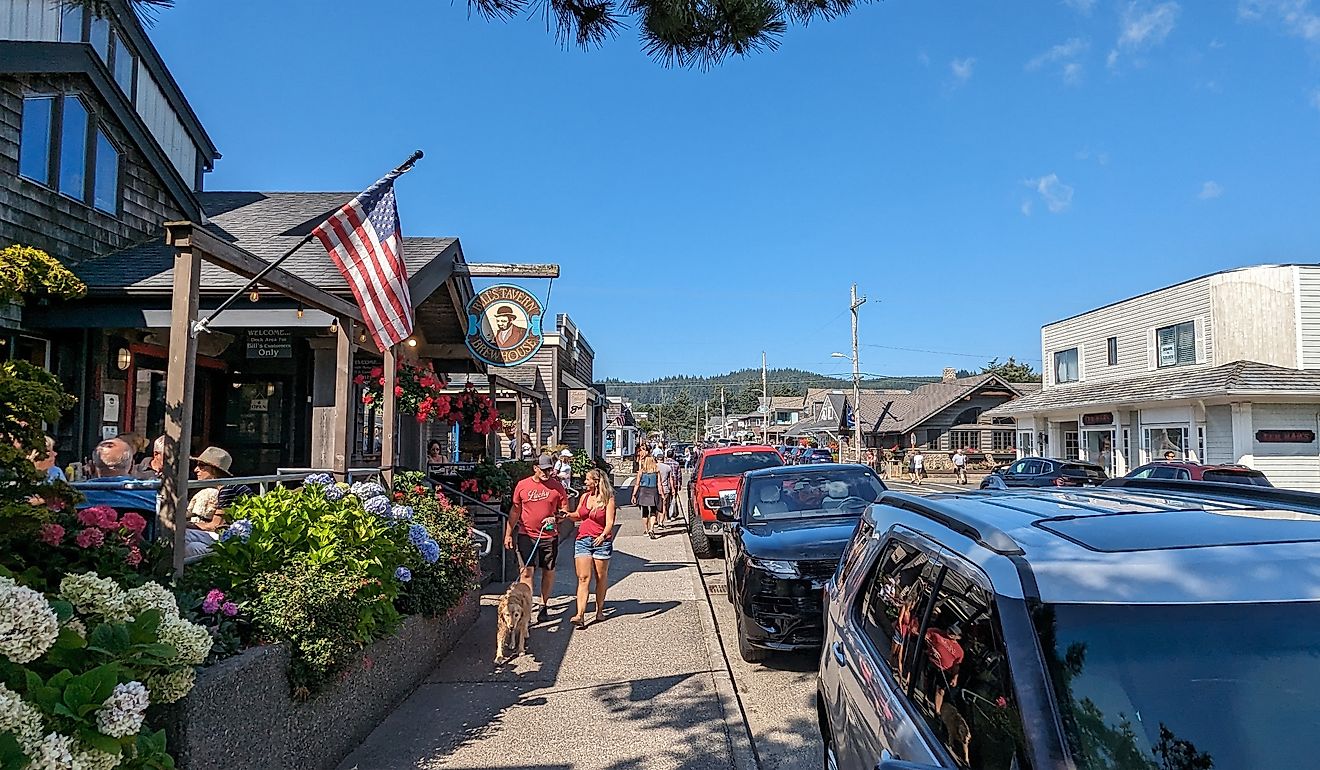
[{"x": 584, "y": 546}]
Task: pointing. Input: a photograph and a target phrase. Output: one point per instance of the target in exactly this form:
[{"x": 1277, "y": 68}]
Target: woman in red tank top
[{"x": 595, "y": 542}]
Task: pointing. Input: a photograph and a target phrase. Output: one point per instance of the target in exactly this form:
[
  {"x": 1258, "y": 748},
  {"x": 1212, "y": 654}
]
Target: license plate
[{"x": 728, "y": 498}]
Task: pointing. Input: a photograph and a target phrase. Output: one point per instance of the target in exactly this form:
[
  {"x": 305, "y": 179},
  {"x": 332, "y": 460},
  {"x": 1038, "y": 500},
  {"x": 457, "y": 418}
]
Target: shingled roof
[
  {"x": 1240, "y": 378},
  {"x": 889, "y": 413},
  {"x": 264, "y": 223}
]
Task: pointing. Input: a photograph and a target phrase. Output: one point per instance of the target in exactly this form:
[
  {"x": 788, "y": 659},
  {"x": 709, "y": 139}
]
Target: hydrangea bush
[{"x": 79, "y": 668}]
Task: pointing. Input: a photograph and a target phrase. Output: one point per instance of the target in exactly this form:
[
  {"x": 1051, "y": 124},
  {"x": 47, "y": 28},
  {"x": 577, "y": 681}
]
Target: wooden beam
[
  {"x": 499, "y": 270},
  {"x": 447, "y": 350},
  {"x": 180, "y": 378},
  {"x": 342, "y": 415},
  {"x": 186, "y": 235}
]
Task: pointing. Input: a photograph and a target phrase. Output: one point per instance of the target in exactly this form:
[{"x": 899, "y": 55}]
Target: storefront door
[
  {"x": 257, "y": 425},
  {"x": 1099, "y": 446}
]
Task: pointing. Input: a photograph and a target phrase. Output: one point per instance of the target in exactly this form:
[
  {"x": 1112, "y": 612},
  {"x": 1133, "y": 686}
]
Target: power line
[{"x": 950, "y": 353}]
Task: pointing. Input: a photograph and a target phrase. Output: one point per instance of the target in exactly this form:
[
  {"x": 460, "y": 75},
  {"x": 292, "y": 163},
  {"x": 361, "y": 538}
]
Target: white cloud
[
  {"x": 1295, "y": 16},
  {"x": 923, "y": 58},
  {"x": 1026, "y": 208},
  {"x": 1056, "y": 195},
  {"x": 962, "y": 69},
  {"x": 1065, "y": 55},
  {"x": 1210, "y": 190},
  {"x": 1081, "y": 6},
  {"x": 1143, "y": 25}
]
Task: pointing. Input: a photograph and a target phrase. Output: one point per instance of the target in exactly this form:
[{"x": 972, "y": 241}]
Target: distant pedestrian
[
  {"x": 646, "y": 493},
  {"x": 527, "y": 447},
  {"x": 675, "y": 484},
  {"x": 564, "y": 468},
  {"x": 665, "y": 473},
  {"x": 960, "y": 466},
  {"x": 594, "y": 544},
  {"x": 918, "y": 466}
]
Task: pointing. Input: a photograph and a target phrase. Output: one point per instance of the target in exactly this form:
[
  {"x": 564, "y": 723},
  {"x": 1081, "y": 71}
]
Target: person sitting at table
[
  {"x": 112, "y": 460},
  {"x": 207, "y": 507}
]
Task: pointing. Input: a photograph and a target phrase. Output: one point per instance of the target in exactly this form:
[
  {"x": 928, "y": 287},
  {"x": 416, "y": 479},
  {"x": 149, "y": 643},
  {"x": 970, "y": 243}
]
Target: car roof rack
[
  {"x": 982, "y": 532},
  {"x": 1218, "y": 490}
]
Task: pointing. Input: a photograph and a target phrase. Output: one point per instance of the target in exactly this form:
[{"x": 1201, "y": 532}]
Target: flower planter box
[{"x": 241, "y": 714}]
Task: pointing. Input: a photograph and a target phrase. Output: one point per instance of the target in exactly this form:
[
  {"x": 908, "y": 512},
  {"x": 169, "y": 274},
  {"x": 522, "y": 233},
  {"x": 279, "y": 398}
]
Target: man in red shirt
[{"x": 539, "y": 501}]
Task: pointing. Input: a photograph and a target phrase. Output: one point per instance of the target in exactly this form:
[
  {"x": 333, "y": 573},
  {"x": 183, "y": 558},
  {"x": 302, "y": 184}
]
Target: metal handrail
[{"x": 472, "y": 501}]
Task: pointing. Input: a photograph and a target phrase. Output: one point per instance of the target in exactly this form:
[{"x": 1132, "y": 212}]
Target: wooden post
[
  {"x": 387, "y": 433},
  {"x": 519, "y": 419},
  {"x": 179, "y": 381},
  {"x": 342, "y": 415},
  {"x": 493, "y": 438}
]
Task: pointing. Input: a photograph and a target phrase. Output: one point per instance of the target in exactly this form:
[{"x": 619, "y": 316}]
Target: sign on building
[
  {"x": 269, "y": 343},
  {"x": 504, "y": 325}
]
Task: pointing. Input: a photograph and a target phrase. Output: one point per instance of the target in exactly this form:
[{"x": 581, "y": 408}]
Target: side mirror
[
  {"x": 726, "y": 515},
  {"x": 894, "y": 764}
]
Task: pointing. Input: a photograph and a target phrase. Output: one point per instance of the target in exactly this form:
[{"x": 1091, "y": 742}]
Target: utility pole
[
  {"x": 696, "y": 422},
  {"x": 660, "y": 412},
  {"x": 724, "y": 416},
  {"x": 857, "y": 378},
  {"x": 765, "y": 394}
]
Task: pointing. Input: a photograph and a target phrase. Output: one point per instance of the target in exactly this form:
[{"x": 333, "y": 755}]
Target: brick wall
[{"x": 68, "y": 229}]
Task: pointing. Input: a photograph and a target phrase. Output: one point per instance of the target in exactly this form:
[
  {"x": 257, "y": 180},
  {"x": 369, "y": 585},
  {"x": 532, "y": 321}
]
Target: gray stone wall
[
  {"x": 34, "y": 215},
  {"x": 242, "y": 716}
]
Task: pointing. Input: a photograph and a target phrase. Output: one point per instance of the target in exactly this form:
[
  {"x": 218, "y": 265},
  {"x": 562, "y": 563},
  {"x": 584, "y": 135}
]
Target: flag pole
[
  {"x": 387, "y": 459},
  {"x": 200, "y": 326}
]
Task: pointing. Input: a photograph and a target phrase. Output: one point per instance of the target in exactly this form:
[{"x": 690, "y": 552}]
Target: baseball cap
[{"x": 545, "y": 462}]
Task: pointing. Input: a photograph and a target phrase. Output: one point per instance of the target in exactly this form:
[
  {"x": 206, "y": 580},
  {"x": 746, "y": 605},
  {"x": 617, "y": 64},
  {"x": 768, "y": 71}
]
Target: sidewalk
[{"x": 648, "y": 687}]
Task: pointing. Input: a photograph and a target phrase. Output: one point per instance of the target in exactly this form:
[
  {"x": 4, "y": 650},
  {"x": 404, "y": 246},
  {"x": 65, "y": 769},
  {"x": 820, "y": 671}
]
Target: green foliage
[
  {"x": 25, "y": 271},
  {"x": 1011, "y": 370},
  {"x": 29, "y": 396},
  {"x": 582, "y": 462},
  {"x": 782, "y": 382},
  {"x": 436, "y": 588}
]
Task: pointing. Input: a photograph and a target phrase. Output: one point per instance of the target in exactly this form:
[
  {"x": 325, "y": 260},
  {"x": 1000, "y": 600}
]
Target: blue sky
[{"x": 977, "y": 172}]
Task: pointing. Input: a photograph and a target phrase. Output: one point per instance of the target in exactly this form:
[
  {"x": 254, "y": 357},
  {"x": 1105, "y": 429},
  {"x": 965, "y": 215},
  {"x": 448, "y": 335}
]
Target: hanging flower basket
[{"x": 419, "y": 391}]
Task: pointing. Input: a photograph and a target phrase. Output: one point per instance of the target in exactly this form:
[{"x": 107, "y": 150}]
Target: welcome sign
[{"x": 504, "y": 325}]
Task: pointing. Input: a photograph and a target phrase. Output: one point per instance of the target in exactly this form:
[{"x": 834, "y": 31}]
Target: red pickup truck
[{"x": 719, "y": 475}]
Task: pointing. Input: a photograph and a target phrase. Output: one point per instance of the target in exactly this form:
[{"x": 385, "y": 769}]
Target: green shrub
[{"x": 437, "y": 588}]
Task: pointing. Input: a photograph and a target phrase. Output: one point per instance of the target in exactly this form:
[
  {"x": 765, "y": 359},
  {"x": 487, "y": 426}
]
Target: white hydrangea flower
[
  {"x": 28, "y": 625},
  {"x": 191, "y": 640},
  {"x": 123, "y": 712},
  {"x": 54, "y": 752},
  {"x": 94, "y": 595},
  {"x": 171, "y": 686},
  {"x": 152, "y": 596},
  {"x": 93, "y": 759},
  {"x": 77, "y": 626},
  {"x": 19, "y": 718}
]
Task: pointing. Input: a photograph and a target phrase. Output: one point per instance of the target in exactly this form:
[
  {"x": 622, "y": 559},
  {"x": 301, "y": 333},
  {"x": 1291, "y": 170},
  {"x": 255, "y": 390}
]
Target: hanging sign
[
  {"x": 504, "y": 325},
  {"x": 269, "y": 343},
  {"x": 1098, "y": 418},
  {"x": 1285, "y": 436}
]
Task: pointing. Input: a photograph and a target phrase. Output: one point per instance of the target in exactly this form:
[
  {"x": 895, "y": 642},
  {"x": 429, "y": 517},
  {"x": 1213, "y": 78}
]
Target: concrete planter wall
[{"x": 241, "y": 715}]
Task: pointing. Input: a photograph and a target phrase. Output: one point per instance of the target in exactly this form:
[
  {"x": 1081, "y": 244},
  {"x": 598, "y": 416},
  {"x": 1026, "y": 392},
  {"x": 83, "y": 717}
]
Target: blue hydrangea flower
[
  {"x": 403, "y": 574},
  {"x": 401, "y": 513},
  {"x": 336, "y": 491},
  {"x": 379, "y": 505},
  {"x": 417, "y": 534},
  {"x": 430, "y": 551},
  {"x": 365, "y": 490},
  {"x": 319, "y": 479},
  {"x": 240, "y": 529}
]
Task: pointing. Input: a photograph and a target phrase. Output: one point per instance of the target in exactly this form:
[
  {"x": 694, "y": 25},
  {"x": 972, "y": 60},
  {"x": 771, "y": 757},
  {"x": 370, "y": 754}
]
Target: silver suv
[{"x": 1148, "y": 625}]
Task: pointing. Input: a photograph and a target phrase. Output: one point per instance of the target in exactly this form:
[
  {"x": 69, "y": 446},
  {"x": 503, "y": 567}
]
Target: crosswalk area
[{"x": 929, "y": 487}]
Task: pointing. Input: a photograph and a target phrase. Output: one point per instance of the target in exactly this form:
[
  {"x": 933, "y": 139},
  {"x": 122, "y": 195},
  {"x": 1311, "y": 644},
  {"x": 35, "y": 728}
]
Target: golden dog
[{"x": 515, "y": 614}]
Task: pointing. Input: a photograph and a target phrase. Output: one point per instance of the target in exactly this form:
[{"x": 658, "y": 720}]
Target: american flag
[{"x": 365, "y": 243}]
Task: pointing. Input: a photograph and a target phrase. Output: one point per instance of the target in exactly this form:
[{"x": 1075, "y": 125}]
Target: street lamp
[{"x": 857, "y": 398}]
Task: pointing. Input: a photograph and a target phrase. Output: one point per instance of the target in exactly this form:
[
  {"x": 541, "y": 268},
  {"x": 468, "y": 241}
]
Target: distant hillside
[{"x": 782, "y": 382}]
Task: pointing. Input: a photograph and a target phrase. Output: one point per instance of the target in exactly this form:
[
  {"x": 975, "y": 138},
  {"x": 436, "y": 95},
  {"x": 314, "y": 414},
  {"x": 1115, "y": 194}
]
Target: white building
[{"x": 1224, "y": 368}]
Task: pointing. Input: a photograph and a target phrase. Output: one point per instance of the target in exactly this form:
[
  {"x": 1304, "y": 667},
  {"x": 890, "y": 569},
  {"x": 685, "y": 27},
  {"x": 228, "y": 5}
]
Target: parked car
[
  {"x": 1227, "y": 474},
  {"x": 1045, "y": 472},
  {"x": 784, "y": 539},
  {"x": 715, "y": 483},
  {"x": 1076, "y": 627},
  {"x": 818, "y": 455}
]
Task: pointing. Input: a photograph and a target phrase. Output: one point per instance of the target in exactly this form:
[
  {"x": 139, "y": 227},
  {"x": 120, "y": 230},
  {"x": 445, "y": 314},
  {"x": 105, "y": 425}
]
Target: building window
[
  {"x": 1065, "y": 366},
  {"x": 1027, "y": 442},
  {"x": 34, "y": 142},
  {"x": 1002, "y": 440},
  {"x": 61, "y": 146},
  {"x": 1111, "y": 346},
  {"x": 124, "y": 67},
  {"x": 99, "y": 37},
  {"x": 933, "y": 438},
  {"x": 1166, "y": 444},
  {"x": 73, "y": 149},
  {"x": 1176, "y": 344},
  {"x": 71, "y": 24},
  {"x": 965, "y": 439},
  {"x": 1070, "y": 445}
]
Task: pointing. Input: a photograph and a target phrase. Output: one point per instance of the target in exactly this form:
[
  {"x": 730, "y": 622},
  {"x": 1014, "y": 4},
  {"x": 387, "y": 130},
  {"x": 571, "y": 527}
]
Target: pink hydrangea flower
[
  {"x": 89, "y": 516},
  {"x": 134, "y": 557},
  {"x": 107, "y": 517},
  {"x": 214, "y": 598},
  {"x": 229, "y": 609},
  {"x": 90, "y": 538},
  {"x": 133, "y": 523},
  {"x": 52, "y": 534}
]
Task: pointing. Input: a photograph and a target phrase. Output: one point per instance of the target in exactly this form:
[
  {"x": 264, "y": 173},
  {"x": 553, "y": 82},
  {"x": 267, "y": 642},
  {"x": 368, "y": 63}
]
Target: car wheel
[
  {"x": 701, "y": 545},
  {"x": 745, "y": 649}
]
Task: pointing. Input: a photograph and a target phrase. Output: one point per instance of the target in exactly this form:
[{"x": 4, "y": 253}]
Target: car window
[
  {"x": 894, "y": 601},
  {"x": 1030, "y": 467},
  {"x": 962, "y": 687},
  {"x": 1018, "y": 467},
  {"x": 1246, "y": 478},
  {"x": 856, "y": 549},
  {"x": 738, "y": 463},
  {"x": 1144, "y": 473},
  {"x": 1165, "y": 472},
  {"x": 833, "y": 492}
]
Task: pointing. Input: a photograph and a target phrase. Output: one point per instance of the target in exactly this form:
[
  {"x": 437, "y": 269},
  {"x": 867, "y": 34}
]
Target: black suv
[
  {"x": 783, "y": 542},
  {"x": 1045, "y": 472},
  {"x": 1146, "y": 625}
]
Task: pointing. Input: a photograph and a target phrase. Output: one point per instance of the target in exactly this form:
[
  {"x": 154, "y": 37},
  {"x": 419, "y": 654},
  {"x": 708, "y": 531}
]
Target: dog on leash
[{"x": 515, "y": 615}]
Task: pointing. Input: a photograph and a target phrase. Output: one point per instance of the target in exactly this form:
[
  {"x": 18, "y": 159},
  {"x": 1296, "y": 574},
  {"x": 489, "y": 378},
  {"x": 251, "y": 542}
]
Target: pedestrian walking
[
  {"x": 594, "y": 544},
  {"x": 960, "y": 466},
  {"x": 675, "y": 484},
  {"x": 918, "y": 466},
  {"x": 665, "y": 484},
  {"x": 564, "y": 468},
  {"x": 646, "y": 493},
  {"x": 539, "y": 501}
]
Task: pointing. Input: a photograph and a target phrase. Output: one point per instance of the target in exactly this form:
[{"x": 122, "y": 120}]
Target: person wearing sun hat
[
  {"x": 207, "y": 507},
  {"x": 564, "y": 467}
]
